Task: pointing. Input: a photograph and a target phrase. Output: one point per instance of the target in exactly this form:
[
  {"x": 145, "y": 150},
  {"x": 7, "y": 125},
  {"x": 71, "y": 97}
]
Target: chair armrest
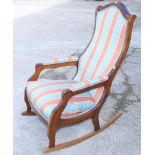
[
  {"x": 60, "y": 60},
  {"x": 56, "y": 62},
  {"x": 88, "y": 83},
  {"x": 78, "y": 89},
  {"x": 53, "y": 63}
]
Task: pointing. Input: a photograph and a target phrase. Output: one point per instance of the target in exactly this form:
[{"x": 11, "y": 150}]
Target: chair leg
[
  {"x": 28, "y": 112},
  {"x": 51, "y": 136},
  {"x": 96, "y": 123},
  {"x": 81, "y": 139}
]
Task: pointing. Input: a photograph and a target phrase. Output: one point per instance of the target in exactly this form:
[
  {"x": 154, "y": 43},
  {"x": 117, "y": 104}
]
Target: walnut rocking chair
[{"x": 66, "y": 102}]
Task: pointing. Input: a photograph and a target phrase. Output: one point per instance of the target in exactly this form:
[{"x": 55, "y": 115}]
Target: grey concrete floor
[
  {"x": 25, "y": 7},
  {"x": 65, "y": 30}
]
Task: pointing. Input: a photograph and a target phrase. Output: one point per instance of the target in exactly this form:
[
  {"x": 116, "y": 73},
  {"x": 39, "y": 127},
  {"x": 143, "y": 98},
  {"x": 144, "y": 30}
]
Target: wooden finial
[{"x": 97, "y": 8}]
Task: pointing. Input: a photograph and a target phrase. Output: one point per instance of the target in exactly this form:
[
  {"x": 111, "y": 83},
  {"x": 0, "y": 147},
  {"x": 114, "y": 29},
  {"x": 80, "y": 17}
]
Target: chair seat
[{"x": 45, "y": 95}]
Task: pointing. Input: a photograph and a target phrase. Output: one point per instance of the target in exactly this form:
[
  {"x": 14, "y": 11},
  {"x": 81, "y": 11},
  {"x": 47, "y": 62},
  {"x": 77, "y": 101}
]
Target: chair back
[{"x": 106, "y": 45}]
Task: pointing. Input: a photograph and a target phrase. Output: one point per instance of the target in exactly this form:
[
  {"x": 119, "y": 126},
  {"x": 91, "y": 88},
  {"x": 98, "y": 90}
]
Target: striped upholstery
[
  {"x": 97, "y": 61},
  {"x": 56, "y": 60},
  {"x": 46, "y": 94},
  {"x": 104, "y": 49},
  {"x": 87, "y": 83}
]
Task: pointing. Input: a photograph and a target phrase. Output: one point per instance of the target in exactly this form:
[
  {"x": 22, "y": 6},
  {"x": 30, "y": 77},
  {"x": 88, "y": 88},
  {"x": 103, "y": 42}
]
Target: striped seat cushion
[
  {"x": 45, "y": 95},
  {"x": 104, "y": 49}
]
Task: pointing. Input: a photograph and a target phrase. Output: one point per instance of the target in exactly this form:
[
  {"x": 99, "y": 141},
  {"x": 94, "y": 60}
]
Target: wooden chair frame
[{"x": 56, "y": 121}]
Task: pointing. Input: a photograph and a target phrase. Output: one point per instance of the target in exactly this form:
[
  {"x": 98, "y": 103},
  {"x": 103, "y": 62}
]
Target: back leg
[{"x": 96, "y": 123}]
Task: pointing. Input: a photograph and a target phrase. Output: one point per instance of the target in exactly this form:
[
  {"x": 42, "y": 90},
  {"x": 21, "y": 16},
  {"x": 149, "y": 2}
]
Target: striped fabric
[
  {"x": 87, "y": 83},
  {"x": 46, "y": 94},
  {"x": 97, "y": 61},
  {"x": 56, "y": 60},
  {"x": 104, "y": 49}
]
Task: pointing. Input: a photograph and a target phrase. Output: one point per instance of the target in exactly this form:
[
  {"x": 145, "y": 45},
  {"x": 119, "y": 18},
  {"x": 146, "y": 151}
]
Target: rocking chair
[{"x": 66, "y": 102}]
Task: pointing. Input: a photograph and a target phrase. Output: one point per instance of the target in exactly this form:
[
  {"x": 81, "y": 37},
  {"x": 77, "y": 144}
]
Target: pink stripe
[
  {"x": 117, "y": 50},
  {"x": 87, "y": 83},
  {"x": 46, "y": 93},
  {"x": 56, "y": 59},
  {"x": 84, "y": 84},
  {"x": 47, "y": 104},
  {"x": 95, "y": 46},
  {"x": 74, "y": 99},
  {"x": 108, "y": 39},
  {"x": 98, "y": 94},
  {"x": 69, "y": 58},
  {"x": 48, "y": 84}
]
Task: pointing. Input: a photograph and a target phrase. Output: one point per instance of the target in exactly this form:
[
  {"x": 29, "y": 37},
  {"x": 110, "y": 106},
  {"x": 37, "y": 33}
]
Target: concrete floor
[
  {"x": 64, "y": 30},
  {"x": 25, "y": 7}
]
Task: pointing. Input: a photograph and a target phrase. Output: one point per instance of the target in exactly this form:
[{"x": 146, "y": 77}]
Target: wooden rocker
[{"x": 66, "y": 102}]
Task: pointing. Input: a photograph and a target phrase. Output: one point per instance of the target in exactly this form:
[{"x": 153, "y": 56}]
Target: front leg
[
  {"x": 29, "y": 111},
  {"x": 55, "y": 121},
  {"x": 34, "y": 77},
  {"x": 52, "y": 127},
  {"x": 51, "y": 136}
]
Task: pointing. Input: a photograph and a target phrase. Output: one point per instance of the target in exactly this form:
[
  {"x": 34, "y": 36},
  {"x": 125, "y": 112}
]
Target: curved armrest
[
  {"x": 78, "y": 89},
  {"x": 60, "y": 60},
  {"x": 54, "y": 63},
  {"x": 88, "y": 83}
]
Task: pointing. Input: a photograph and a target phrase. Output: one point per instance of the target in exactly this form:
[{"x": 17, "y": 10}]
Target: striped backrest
[{"x": 105, "y": 47}]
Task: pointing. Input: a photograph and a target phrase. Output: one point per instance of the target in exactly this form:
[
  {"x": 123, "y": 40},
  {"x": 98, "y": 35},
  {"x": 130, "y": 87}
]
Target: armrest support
[
  {"x": 68, "y": 93},
  {"x": 54, "y": 63}
]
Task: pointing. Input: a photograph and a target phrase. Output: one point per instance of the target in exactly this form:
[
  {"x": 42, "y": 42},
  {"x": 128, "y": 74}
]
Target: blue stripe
[
  {"x": 90, "y": 48},
  {"x": 53, "y": 96},
  {"x": 81, "y": 107},
  {"x": 41, "y": 101},
  {"x": 112, "y": 46},
  {"x": 48, "y": 88},
  {"x": 101, "y": 43},
  {"x": 70, "y": 108}
]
